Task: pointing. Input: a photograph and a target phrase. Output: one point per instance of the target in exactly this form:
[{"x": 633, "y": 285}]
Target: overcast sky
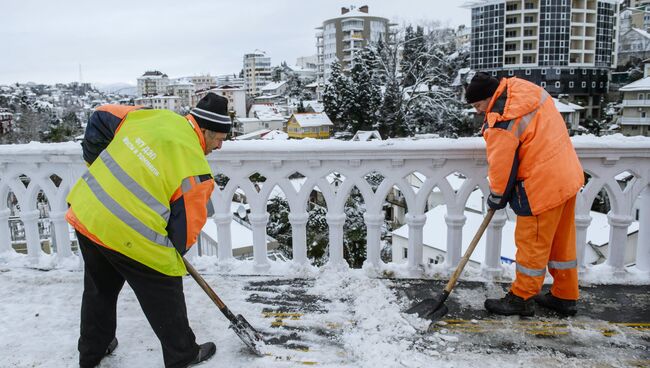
[{"x": 45, "y": 41}]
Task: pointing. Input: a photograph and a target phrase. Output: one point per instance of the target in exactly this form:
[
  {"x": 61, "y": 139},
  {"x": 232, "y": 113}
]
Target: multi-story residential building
[
  {"x": 463, "y": 35},
  {"x": 203, "y": 82},
  {"x": 634, "y": 45},
  {"x": 236, "y": 98},
  {"x": 230, "y": 80},
  {"x": 638, "y": 17},
  {"x": 340, "y": 38},
  {"x": 257, "y": 72},
  {"x": 160, "y": 102},
  {"x": 635, "y": 115},
  {"x": 185, "y": 90},
  {"x": 6, "y": 119},
  {"x": 566, "y": 46},
  {"x": 152, "y": 83}
]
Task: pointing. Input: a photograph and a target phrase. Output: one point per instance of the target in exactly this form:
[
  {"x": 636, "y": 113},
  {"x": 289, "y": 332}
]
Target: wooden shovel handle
[{"x": 469, "y": 251}]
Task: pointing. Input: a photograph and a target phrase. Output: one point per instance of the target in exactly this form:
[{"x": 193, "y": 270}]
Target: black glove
[{"x": 496, "y": 202}]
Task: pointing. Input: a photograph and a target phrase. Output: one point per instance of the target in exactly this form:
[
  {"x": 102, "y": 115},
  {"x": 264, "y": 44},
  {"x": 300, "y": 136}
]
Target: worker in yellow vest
[{"x": 136, "y": 211}]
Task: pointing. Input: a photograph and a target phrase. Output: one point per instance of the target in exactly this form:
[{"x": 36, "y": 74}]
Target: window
[
  {"x": 593, "y": 84},
  {"x": 584, "y": 71},
  {"x": 494, "y": 73},
  {"x": 543, "y": 71},
  {"x": 511, "y": 72},
  {"x": 641, "y": 96},
  {"x": 543, "y": 84},
  {"x": 557, "y": 71},
  {"x": 584, "y": 84},
  {"x": 570, "y": 84},
  {"x": 527, "y": 71},
  {"x": 405, "y": 253},
  {"x": 643, "y": 114},
  {"x": 557, "y": 84}
]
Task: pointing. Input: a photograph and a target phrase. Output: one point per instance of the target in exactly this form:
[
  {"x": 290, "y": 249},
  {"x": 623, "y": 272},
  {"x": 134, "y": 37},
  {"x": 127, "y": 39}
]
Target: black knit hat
[
  {"x": 211, "y": 113},
  {"x": 482, "y": 86}
]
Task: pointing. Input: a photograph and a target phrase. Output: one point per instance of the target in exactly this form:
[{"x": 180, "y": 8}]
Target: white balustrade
[{"x": 317, "y": 162}]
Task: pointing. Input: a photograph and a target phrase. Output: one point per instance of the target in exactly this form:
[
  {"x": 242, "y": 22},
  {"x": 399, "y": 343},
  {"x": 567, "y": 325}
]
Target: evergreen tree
[
  {"x": 336, "y": 97},
  {"x": 366, "y": 97}
]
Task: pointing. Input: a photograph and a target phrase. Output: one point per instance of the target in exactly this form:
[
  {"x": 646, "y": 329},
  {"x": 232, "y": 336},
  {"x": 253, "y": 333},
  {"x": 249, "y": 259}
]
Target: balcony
[
  {"x": 634, "y": 121},
  {"x": 636, "y": 103}
]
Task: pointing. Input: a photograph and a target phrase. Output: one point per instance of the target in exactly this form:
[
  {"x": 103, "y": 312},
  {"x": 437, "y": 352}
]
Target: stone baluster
[
  {"x": 494, "y": 236},
  {"x": 298, "y": 223},
  {"x": 582, "y": 224},
  {"x": 455, "y": 225},
  {"x": 643, "y": 242},
  {"x": 32, "y": 237},
  {"x": 224, "y": 238},
  {"x": 415, "y": 251},
  {"x": 618, "y": 240},
  {"x": 335, "y": 223},
  {"x": 258, "y": 223},
  {"x": 5, "y": 234},
  {"x": 373, "y": 238},
  {"x": 61, "y": 234}
]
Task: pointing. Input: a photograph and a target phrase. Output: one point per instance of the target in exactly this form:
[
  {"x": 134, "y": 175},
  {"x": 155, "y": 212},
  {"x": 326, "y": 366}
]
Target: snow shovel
[
  {"x": 435, "y": 308},
  {"x": 250, "y": 336}
]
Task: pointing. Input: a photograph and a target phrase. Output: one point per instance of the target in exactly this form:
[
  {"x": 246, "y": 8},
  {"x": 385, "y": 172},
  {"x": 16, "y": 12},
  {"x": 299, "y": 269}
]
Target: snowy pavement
[{"x": 330, "y": 320}]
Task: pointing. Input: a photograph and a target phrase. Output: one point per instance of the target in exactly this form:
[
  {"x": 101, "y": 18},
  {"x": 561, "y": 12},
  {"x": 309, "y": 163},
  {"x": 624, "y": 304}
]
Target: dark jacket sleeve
[{"x": 101, "y": 128}]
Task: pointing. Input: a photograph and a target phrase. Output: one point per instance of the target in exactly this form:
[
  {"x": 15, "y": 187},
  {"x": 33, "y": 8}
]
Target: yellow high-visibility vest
[{"x": 123, "y": 198}]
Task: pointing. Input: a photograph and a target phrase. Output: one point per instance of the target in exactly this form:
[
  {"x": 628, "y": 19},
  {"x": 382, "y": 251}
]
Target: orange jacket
[
  {"x": 189, "y": 205},
  {"x": 532, "y": 162}
]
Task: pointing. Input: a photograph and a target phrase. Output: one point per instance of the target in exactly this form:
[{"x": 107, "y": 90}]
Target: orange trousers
[{"x": 548, "y": 239}]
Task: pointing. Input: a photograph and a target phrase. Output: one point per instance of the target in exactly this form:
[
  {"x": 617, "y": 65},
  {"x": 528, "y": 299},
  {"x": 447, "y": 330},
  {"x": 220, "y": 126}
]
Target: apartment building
[
  {"x": 566, "y": 46},
  {"x": 339, "y": 38},
  {"x": 257, "y": 72},
  {"x": 152, "y": 83}
]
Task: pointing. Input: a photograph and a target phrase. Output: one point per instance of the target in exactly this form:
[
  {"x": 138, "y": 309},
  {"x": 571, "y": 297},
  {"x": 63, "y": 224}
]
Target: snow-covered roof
[
  {"x": 309, "y": 119},
  {"x": 598, "y": 230},
  {"x": 313, "y": 85},
  {"x": 315, "y": 105},
  {"x": 640, "y": 85},
  {"x": 273, "y": 86},
  {"x": 252, "y": 135},
  {"x": 567, "y": 107},
  {"x": 241, "y": 235},
  {"x": 276, "y": 134},
  {"x": 366, "y": 135},
  {"x": 641, "y": 32},
  {"x": 265, "y": 112},
  {"x": 434, "y": 234}
]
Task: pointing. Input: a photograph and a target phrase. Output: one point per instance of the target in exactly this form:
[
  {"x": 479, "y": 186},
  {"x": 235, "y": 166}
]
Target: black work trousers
[{"x": 161, "y": 298}]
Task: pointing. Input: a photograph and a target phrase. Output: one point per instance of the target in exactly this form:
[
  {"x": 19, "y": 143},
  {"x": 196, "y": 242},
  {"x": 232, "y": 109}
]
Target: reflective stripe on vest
[
  {"x": 534, "y": 272},
  {"x": 563, "y": 265},
  {"x": 526, "y": 119},
  {"x": 123, "y": 214},
  {"x": 132, "y": 186}
]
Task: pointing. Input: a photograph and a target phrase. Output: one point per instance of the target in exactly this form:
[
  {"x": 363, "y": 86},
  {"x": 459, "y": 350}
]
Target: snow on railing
[{"x": 53, "y": 168}]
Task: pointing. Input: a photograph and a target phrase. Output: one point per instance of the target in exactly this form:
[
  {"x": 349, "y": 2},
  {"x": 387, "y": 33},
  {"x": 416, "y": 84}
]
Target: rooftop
[{"x": 640, "y": 85}]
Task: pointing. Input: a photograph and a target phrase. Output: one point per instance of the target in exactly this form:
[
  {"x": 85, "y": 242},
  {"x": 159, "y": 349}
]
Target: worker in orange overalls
[{"x": 534, "y": 167}]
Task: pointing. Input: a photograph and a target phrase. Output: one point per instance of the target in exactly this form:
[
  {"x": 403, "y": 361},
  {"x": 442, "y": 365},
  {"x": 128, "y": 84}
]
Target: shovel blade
[
  {"x": 249, "y": 335},
  {"x": 432, "y": 308}
]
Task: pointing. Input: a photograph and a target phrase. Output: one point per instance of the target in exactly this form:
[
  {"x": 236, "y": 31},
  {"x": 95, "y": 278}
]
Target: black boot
[
  {"x": 206, "y": 351},
  {"x": 562, "y": 306},
  {"x": 510, "y": 305}
]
